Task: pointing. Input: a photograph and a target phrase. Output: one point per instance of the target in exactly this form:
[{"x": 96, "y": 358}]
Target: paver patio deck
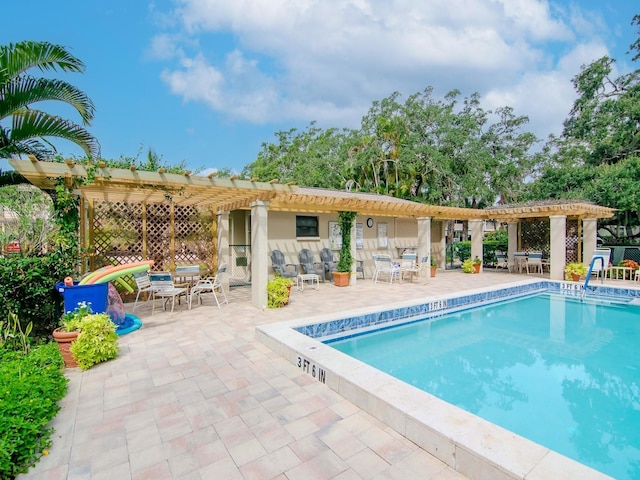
[{"x": 193, "y": 395}]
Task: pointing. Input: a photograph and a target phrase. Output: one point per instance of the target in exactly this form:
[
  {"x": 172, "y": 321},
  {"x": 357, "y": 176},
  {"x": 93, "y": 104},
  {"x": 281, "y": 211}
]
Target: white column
[
  {"x": 439, "y": 247},
  {"x": 223, "y": 245},
  {"x": 558, "y": 253},
  {"x": 477, "y": 234},
  {"x": 259, "y": 253},
  {"x": 589, "y": 239},
  {"x": 424, "y": 238},
  {"x": 354, "y": 274},
  {"x": 512, "y": 245}
]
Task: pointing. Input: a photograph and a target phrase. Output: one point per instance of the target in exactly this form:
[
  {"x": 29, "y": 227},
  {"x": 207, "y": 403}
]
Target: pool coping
[{"x": 471, "y": 445}]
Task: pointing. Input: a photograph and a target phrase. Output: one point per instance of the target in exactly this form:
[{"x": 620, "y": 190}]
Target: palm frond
[
  {"x": 20, "y": 57},
  {"x": 31, "y": 124},
  {"x": 24, "y": 91}
]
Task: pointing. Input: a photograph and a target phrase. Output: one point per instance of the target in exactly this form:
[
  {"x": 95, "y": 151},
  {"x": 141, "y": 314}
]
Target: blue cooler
[{"x": 96, "y": 294}]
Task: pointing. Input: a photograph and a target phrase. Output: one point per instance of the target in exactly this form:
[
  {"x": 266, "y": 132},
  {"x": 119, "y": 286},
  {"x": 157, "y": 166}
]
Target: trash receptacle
[{"x": 95, "y": 293}]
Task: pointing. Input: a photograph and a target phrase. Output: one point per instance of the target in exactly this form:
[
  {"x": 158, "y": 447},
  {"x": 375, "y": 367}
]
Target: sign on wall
[
  {"x": 383, "y": 238},
  {"x": 335, "y": 236}
]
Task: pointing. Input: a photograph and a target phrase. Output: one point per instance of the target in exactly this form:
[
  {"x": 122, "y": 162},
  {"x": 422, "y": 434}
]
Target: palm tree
[{"x": 18, "y": 90}]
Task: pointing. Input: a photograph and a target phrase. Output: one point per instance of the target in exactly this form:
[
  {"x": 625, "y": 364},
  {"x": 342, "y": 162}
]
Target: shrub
[
  {"x": 278, "y": 292},
  {"x": 31, "y": 384},
  {"x": 27, "y": 288},
  {"x": 467, "y": 266},
  {"x": 97, "y": 341}
]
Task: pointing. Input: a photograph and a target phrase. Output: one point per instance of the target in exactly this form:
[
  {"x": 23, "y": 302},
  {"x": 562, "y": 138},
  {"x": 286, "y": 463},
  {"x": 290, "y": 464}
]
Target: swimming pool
[
  {"x": 559, "y": 370},
  {"x": 473, "y": 446}
]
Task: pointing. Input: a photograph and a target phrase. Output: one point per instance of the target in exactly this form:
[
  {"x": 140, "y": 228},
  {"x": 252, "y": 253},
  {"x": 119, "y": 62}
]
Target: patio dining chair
[
  {"x": 143, "y": 285},
  {"x": 360, "y": 268},
  {"x": 519, "y": 261},
  {"x": 210, "y": 285},
  {"x": 534, "y": 262},
  {"x": 162, "y": 286},
  {"x": 385, "y": 267},
  {"x": 408, "y": 265},
  {"x": 501, "y": 261}
]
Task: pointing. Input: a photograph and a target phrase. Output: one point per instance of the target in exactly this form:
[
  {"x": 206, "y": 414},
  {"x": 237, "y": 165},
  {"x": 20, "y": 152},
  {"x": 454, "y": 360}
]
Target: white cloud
[
  {"x": 546, "y": 96},
  {"x": 304, "y": 60}
]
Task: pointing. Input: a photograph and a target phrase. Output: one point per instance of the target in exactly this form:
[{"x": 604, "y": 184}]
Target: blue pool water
[{"x": 560, "y": 371}]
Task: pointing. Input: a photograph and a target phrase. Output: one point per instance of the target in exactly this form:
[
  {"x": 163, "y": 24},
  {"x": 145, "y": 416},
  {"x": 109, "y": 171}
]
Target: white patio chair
[
  {"x": 209, "y": 285},
  {"x": 385, "y": 266},
  {"x": 534, "y": 262},
  {"x": 144, "y": 286},
  {"x": 519, "y": 261},
  {"x": 409, "y": 265},
  {"x": 501, "y": 261},
  {"x": 162, "y": 286}
]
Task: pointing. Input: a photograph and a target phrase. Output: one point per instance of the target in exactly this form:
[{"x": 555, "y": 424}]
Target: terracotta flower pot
[
  {"x": 433, "y": 271},
  {"x": 476, "y": 267},
  {"x": 65, "y": 339},
  {"x": 575, "y": 277},
  {"x": 341, "y": 279},
  {"x": 288, "y": 294}
]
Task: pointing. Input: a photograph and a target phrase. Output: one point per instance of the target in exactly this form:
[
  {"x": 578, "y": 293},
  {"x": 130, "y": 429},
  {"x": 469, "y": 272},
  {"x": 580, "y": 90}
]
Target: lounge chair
[
  {"x": 282, "y": 269},
  {"x": 308, "y": 265},
  {"x": 600, "y": 267}
]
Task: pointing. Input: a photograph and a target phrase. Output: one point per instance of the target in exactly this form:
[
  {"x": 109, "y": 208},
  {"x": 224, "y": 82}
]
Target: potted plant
[
  {"x": 68, "y": 331},
  {"x": 97, "y": 341},
  {"x": 574, "y": 270},
  {"x": 477, "y": 263},
  {"x": 278, "y": 291},
  {"x": 342, "y": 275},
  {"x": 434, "y": 266},
  {"x": 467, "y": 266},
  {"x": 86, "y": 338}
]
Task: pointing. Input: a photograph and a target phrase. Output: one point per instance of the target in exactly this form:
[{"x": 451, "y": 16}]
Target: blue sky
[{"x": 208, "y": 81}]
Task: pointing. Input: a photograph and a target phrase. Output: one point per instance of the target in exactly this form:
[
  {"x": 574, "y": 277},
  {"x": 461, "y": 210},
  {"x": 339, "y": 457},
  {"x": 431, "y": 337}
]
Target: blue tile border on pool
[{"x": 450, "y": 304}]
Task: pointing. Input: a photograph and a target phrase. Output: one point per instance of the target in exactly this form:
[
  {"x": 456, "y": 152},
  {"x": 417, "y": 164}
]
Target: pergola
[{"x": 223, "y": 195}]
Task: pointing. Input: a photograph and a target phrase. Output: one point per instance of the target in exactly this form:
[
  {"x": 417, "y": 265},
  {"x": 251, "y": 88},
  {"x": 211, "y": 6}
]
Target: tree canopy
[
  {"x": 597, "y": 156},
  {"x": 423, "y": 149}
]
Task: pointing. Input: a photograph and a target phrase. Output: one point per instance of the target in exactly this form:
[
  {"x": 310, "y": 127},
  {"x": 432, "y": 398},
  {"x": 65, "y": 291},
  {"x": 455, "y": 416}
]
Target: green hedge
[
  {"x": 462, "y": 250},
  {"x": 27, "y": 288}
]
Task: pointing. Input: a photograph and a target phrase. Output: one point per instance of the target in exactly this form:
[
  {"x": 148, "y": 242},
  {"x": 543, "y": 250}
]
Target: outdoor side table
[{"x": 312, "y": 278}]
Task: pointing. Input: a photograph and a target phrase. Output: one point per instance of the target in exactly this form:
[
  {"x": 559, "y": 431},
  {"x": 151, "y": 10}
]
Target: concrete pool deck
[{"x": 194, "y": 395}]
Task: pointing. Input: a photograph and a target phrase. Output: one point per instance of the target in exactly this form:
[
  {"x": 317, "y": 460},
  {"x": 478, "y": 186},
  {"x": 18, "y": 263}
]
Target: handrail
[{"x": 591, "y": 265}]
